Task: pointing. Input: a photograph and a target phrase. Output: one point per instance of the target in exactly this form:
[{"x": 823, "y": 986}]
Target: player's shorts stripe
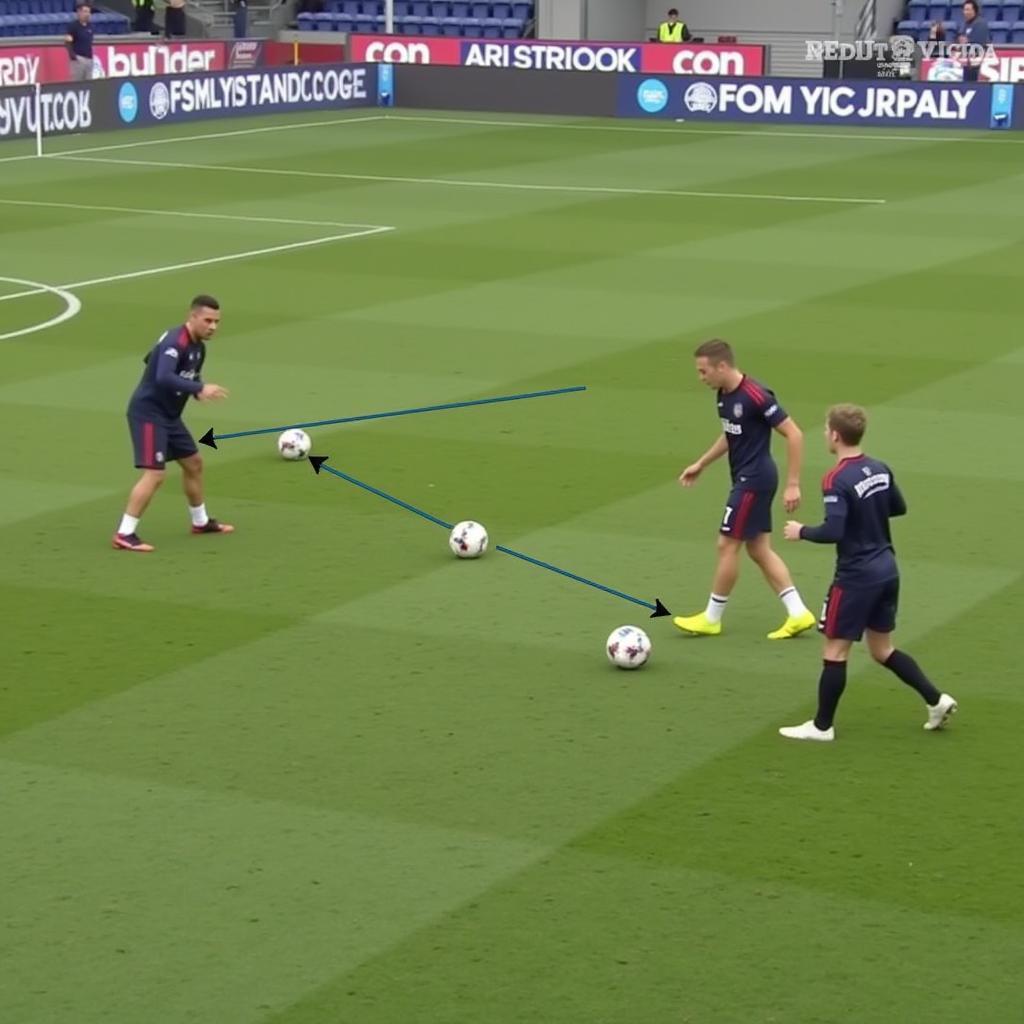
[
  {"x": 835, "y": 598},
  {"x": 148, "y": 446},
  {"x": 743, "y": 514}
]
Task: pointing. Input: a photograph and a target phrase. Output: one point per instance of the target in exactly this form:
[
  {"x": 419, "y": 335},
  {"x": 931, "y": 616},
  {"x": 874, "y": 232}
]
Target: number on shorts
[{"x": 728, "y": 513}]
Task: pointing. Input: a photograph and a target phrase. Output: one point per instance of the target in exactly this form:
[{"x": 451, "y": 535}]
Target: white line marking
[
  {"x": 670, "y": 128},
  {"x": 197, "y": 263},
  {"x": 184, "y": 213},
  {"x": 199, "y": 138},
  {"x": 460, "y": 183},
  {"x": 72, "y": 306}
]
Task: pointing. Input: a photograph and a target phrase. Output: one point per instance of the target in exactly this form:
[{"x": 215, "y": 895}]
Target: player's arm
[
  {"x": 794, "y": 461},
  {"x": 167, "y": 376},
  {"x": 689, "y": 475},
  {"x": 830, "y": 531},
  {"x": 897, "y": 503}
]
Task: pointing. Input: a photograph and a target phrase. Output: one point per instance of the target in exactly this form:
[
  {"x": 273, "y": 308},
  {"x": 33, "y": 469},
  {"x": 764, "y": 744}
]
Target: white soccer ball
[
  {"x": 468, "y": 539},
  {"x": 628, "y": 647},
  {"x": 294, "y": 444}
]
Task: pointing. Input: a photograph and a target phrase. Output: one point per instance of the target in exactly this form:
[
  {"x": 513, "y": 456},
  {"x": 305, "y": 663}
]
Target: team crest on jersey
[
  {"x": 866, "y": 470},
  {"x": 737, "y": 410},
  {"x": 170, "y": 352}
]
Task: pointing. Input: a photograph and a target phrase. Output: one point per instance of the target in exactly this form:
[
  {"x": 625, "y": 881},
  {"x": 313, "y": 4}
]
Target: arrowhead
[
  {"x": 207, "y": 439},
  {"x": 660, "y": 611},
  {"x": 316, "y": 461}
]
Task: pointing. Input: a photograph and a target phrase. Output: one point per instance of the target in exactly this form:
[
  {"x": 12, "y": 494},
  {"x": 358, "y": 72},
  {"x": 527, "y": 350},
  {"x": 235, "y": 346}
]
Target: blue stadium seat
[
  {"x": 1011, "y": 12},
  {"x": 430, "y": 27},
  {"x": 1017, "y": 32},
  {"x": 908, "y": 28},
  {"x": 439, "y": 10},
  {"x": 479, "y": 11},
  {"x": 305, "y": 22},
  {"x": 917, "y": 10},
  {"x": 371, "y": 9},
  {"x": 402, "y": 10},
  {"x": 350, "y": 7},
  {"x": 522, "y": 11},
  {"x": 512, "y": 25},
  {"x": 938, "y": 12},
  {"x": 451, "y": 27},
  {"x": 420, "y": 9},
  {"x": 501, "y": 11},
  {"x": 990, "y": 12},
  {"x": 411, "y": 27},
  {"x": 365, "y": 25},
  {"x": 999, "y": 32}
]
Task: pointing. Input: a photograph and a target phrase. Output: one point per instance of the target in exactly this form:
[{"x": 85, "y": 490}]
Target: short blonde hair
[{"x": 849, "y": 422}]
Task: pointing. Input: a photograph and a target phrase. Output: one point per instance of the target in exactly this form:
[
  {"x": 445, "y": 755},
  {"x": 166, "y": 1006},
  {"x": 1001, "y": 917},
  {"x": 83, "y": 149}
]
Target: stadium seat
[
  {"x": 522, "y": 11},
  {"x": 479, "y": 11},
  {"x": 1011, "y": 12},
  {"x": 411, "y": 26},
  {"x": 439, "y": 10},
  {"x": 371, "y": 9},
  {"x": 501, "y": 11},
  {"x": 430, "y": 27},
  {"x": 513, "y": 25},
  {"x": 402, "y": 10},
  {"x": 1000, "y": 32},
  {"x": 917, "y": 10},
  {"x": 350, "y": 8},
  {"x": 909, "y": 28},
  {"x": 938, "y": 12},
  {"x": 990, "y": 12},
  {"x": 1017, "y": 32}
]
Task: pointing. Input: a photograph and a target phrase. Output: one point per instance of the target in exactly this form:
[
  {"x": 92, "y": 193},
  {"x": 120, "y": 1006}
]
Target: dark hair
[
  {"x": 849, "y": 422},
  {"x": 973, "y": 3},
  {"x": 717, "y": 351},
  {"x": 205, "y": 301},
  {"x": 672, "y": 10}
]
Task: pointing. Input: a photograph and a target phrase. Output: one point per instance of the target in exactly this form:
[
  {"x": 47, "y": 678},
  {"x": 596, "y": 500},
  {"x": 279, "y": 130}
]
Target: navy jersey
[
  {"x": 748, "y": 415},
  {"x": 861, "y": 497},
  {"x": 173, "y": 366}
]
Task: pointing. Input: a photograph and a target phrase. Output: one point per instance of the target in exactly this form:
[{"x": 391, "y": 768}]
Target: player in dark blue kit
[
  {"x": 171, "y": 376},
  {"x": 861, "y": 497},
  {"x": 749, "y": 412}
]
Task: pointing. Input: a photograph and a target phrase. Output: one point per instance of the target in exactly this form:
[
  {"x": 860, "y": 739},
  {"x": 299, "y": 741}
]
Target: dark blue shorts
[
  {"x": 157, "y": 442},
  {"x": 849, "y": 610},
  {"x": 747, "y": 514}
]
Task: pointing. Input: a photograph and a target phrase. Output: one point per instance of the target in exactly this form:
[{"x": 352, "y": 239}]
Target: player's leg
[
  {"x": 727, "y": 570},
  {"x": 879, "y": 638},
  {"x": 799, "y": 618},
  {"x": 842, "y": 622},
  {"x": 149, "y": 441},
  {"x": 192, "y": 481}
]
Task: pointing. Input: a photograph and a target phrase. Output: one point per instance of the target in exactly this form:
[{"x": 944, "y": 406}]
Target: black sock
[
  {"x": 830, "y": 689},
  {"x": 903, "y": 665}
]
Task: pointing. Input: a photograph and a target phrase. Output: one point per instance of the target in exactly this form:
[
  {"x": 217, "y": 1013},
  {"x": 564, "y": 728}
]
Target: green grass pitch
[{"x": 320, "y": 772}]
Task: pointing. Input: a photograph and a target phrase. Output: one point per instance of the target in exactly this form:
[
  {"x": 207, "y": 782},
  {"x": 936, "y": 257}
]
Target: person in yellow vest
[{"x": 673, "y": 30}]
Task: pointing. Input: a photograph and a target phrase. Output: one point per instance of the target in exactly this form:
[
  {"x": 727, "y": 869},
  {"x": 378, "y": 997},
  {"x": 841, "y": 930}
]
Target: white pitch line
[
  {"x": 185, "y": 213},
  {"x": 197, "y": 263},
  {"x": 709, "y": 129},
  {"x": 469, "y": 183},
  {"x": 200, "y": 138}
]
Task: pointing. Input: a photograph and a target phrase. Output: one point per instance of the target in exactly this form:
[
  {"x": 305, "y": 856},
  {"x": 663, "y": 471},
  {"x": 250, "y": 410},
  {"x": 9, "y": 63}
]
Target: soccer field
[{"x": 322, "y": 772}]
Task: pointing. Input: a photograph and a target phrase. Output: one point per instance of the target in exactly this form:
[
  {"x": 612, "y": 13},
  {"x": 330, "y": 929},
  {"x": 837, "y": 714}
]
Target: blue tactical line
[{"x": 402, "y": 412}]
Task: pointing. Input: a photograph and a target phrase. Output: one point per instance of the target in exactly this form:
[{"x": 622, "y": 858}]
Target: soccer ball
[
  {"x": 628, "y": 647},
  {"x": 294, "y": 444},
  {"x": 468, "y": 539}
]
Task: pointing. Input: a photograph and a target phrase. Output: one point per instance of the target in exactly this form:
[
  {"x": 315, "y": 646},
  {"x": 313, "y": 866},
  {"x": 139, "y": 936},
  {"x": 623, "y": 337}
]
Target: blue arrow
[
  {"x": 209, "y": 438},
  {"x": 658, "y": 609}
]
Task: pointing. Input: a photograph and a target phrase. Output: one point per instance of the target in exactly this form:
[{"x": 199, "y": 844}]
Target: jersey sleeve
[
  {"x": 832, "y": 529},
  {"x": 897, "y": 503},
  {"x": 773, "y": 412},
  {"x": 167, "y": 376}
]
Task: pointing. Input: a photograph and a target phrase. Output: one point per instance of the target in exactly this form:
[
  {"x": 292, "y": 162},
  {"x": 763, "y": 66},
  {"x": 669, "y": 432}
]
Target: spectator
[
  {"x": 673, "y": 30},
  {"x": 174, "y": 18},
  {"x": 143, "y": 16},
  {"x": 937, "y": 32},
  {"x": 79, "y": 40},
  {"x": 974, "y": 30}
]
